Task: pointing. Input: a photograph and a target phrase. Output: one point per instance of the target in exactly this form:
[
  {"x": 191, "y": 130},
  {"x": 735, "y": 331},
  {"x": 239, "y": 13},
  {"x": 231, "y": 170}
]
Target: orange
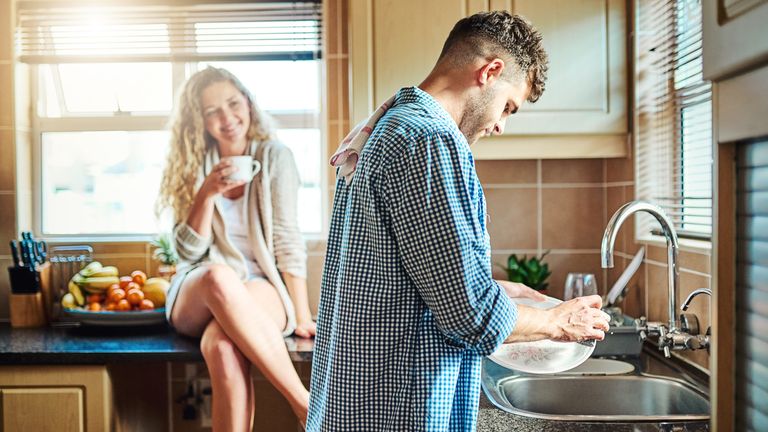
[
  {"x": 135, "y": 296},
  {"x": 124, "y": 281},
  {"x": 139, "y": 277},
  {"x": 95, "y": 298},
  {"x": 146, "y": 305},
  {"x": 110, "y": 306},
  {"x": 95, "y": 306},
  {"x": 123, "y": 305},
  {"x": 116, "y": 295},
  {"x": 132, "y": 286}
]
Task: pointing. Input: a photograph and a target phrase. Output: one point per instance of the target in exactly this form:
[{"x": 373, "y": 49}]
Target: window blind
[
  {"x": 277, "y": 30},
  {"x": 673, "y": 109}
]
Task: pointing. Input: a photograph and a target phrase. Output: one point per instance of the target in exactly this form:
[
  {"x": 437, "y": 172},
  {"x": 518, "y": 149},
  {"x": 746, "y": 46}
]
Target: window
[
  {"x": 673, "y": 116},
  {"x": 104, "y": 82}
]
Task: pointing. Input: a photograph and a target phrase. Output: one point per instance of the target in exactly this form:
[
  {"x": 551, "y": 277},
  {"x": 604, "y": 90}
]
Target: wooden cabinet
[
  {"x": 55, "y": 398},
  {"x": 734, "y": 35},
  {"x": 583, "y": 112}
]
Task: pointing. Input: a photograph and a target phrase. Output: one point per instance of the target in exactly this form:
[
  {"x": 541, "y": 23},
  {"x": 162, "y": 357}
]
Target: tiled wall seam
[{"x": 682, "y": 269}]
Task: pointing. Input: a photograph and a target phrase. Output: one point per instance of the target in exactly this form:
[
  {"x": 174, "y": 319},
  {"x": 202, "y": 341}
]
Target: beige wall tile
[
  {"x": 344, "y": 28},
  {"x": 634, "y": 300},
  {"x": 6, "y": 32},
  {"x": 512, "y": 218},
  {"x": 334, "y": 83},
  {"x": 572, "y": 218},
  {"x": 657, "y": 293},
  {"x": 505, "y": 172},
  {"x": 614, "y": 199},
  {"x": 333, "y": 25},
  {"x": 6, "y": 89},
  {"x": 620, "y": 170},
  {"x": 7, "y": 161},
  {"x": 563, "y": 263},
  {"x": 572, "y": 171},
  {"x": 656, "y": 253},
  {"x": 7, "y": 218},
  {"x": 344, "y": 103},
  {"x": 696, "y": 261}
]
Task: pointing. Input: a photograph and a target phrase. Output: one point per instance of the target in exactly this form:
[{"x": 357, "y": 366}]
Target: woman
[{"x": 242, "y": 281}]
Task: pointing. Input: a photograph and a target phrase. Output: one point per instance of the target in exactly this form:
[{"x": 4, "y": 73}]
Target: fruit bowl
[{"x": 115, "y": 318}]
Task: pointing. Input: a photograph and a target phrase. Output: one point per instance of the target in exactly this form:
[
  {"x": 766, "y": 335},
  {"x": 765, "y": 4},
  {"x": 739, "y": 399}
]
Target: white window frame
[{"x": 40, "y": 125}]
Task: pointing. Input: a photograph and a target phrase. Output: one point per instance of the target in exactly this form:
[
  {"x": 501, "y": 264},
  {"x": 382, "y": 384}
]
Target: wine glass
[{"x": 579, "y": 285}]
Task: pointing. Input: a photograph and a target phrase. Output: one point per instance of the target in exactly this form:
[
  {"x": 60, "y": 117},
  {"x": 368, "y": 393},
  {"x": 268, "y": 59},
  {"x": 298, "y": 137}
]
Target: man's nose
[{"x": 498, "y": 127}]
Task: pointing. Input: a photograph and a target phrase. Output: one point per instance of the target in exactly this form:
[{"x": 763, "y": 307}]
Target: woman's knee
[
  {"x": 220, "y": 352},
  {"x": 221, "y": 283}
]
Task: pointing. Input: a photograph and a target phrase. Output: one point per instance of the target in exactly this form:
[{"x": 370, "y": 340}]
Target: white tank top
[{"x": 233, "y": 211}]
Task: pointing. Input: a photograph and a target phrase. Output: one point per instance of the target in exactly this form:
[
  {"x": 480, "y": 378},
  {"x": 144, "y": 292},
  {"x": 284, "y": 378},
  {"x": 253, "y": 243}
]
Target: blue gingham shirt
[{"x": 408, "y": 306}]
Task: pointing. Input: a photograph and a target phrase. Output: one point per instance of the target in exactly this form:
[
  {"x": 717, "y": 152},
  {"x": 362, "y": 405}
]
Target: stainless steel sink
[{"x": 622, "y": 398}]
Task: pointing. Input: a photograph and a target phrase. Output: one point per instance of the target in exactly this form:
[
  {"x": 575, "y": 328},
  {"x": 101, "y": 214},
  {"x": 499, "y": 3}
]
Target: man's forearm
[{"x": 532, "y": 324}]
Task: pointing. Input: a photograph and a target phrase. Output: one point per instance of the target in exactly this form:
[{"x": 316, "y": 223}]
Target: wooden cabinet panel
[
  {"x": 733, "y": 44},
  {"x": 42, "y": 409},
  {"x": 586, "y": 86},
  {"x": 395, "y": 43},
  {"x": 85, "y": 392}
]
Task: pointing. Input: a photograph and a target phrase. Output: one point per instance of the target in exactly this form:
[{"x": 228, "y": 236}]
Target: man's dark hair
[{"x": 500, "y": 34}]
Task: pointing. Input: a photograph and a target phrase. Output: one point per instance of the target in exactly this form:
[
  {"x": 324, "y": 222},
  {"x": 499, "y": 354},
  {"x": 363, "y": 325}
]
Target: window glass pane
[
  {"x": 306, "y": 148},
  {"x": 101, "y": 182},
  {"x": 106, "y": 88},
  {"x": 286, "y": 86}
]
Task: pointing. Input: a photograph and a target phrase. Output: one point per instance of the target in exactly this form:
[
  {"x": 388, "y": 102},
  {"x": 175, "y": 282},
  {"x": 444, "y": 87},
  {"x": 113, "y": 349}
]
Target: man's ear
[{"x": 490, "y": 71}]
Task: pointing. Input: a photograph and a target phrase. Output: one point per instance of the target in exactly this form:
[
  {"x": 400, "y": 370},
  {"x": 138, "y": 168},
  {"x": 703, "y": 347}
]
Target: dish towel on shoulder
[{"x": 346, "y": 156}]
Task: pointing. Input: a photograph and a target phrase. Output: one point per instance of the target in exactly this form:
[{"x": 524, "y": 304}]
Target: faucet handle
[{"x": 689, "y": 323}]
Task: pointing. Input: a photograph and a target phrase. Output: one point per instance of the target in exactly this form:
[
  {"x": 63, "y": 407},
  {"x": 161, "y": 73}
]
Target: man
[{"x": 408, "y": 306}]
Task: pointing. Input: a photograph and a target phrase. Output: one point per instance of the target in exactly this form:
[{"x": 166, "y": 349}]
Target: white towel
[{"x": 351, "y": 146}]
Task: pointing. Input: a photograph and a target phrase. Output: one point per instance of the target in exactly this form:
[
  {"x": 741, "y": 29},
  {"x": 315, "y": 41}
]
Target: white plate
[
  {"x": 112, "y": 319},
  {"x": 544, "y": 356}
]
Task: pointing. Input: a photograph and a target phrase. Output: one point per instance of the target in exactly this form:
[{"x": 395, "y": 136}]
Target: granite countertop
[{"x": 101, "y": 345}]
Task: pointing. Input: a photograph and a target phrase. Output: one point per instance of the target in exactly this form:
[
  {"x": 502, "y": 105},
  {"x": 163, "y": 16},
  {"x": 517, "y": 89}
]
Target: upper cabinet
[
  {"x": 735, "y": 37},
  {"x": 583, "y": 111}
]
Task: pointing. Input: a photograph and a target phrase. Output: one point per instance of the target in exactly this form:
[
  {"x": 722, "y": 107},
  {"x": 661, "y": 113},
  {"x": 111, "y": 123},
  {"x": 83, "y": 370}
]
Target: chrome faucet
[
  {"x": 693, "y": 294},
  {"x": 669, "y": 335}
]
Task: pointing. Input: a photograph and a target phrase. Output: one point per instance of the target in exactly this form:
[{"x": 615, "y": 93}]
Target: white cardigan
[{"x": 277, "y": 242}]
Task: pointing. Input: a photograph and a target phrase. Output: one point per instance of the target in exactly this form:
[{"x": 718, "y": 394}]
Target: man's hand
[
  {"x": 579, "y": 319},
  {"x": 575, "y": 320},
  {"x": 518, "y": 290}
]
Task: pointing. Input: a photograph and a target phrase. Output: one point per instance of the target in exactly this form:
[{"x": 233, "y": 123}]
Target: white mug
[{"x": 247, "y": 167}]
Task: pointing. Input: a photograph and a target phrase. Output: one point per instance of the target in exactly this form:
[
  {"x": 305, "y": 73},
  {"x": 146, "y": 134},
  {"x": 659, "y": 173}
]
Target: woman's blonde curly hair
[{"x": 190, "y": 141}]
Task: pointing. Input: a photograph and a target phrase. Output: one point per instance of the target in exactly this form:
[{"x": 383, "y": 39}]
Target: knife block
[
  {"x": 30, "y": 296},
  {"x": 27, "y": 310}
]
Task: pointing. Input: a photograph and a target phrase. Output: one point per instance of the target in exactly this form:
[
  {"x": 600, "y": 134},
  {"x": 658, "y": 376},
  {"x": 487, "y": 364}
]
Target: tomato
[
  {"x": 116, "y": 295},
  {"x": 124, "y": 281},
  {"x": 135, "y": 296}
]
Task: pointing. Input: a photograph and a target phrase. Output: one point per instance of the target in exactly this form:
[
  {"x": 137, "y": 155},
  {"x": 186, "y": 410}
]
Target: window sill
[{"x": 687, "y": 245}]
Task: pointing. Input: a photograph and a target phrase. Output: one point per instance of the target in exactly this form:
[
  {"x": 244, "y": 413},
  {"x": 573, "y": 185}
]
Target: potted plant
[
  {"x": 532, "y": 272},
  {"x": 166, "y": 254}
]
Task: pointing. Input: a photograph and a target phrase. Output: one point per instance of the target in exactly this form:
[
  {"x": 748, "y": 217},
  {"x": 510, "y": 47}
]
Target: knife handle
[{"x": 15, "y": 253}]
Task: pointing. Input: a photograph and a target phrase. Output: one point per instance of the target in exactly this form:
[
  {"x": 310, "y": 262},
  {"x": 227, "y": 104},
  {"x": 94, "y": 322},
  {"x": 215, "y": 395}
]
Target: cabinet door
[
  {"x": 395, "y": 44},
  {"x": 42, "y": 409},
  {"x": 77, "y": 398},
  {"x": 734, "y": 35},
  {"x": 587, "y": 79}
]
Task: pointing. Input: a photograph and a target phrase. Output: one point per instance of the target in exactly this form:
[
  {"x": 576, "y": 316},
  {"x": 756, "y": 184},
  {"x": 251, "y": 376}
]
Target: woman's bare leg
[
  {"x": 215, "y": 291},
  {"x": 230, "y": 375}
]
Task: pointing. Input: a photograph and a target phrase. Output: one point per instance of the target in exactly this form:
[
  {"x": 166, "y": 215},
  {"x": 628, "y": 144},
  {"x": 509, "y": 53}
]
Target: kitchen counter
[{"x": 102, "y": 345}]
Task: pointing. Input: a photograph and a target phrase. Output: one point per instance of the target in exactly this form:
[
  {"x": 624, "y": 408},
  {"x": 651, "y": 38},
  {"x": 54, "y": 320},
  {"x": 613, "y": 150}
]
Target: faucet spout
[
  {"x": 668, "y": 229},
  {"x": 693, "y": 294}
]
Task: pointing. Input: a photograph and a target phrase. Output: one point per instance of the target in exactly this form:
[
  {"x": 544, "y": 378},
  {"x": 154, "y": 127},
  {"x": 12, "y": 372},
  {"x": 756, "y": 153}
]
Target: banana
[
  {"x": 100, "y": 283},
  {"x": 74, "y": 289},
  {"x": 105, "y": 271},
  {"x": 90, "y": 269}
]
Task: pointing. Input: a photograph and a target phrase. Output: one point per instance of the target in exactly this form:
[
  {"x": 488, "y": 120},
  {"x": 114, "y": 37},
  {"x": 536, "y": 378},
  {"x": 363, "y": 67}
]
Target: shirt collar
[{"x": 416, "y": 95}]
